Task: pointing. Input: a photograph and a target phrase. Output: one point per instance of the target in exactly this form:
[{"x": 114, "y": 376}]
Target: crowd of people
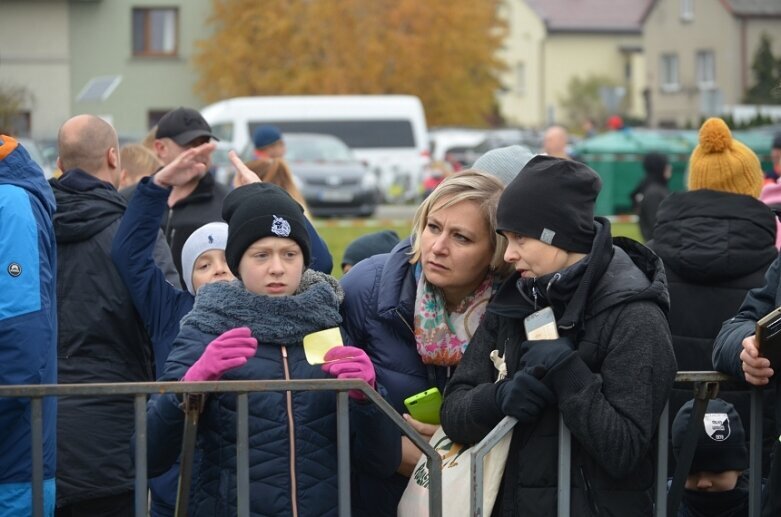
[{"x": 136, "y": 265}]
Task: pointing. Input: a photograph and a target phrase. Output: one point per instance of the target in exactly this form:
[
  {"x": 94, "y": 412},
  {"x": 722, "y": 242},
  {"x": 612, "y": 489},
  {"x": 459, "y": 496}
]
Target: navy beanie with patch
[
  {"x": 721, "y": 441},
  {"x": 261, "y": 210},
  {"x": 552, "y": 200}
]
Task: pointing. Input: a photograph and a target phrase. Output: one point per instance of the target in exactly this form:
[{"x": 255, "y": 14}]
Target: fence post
[
  {"x": 565, "y": 468},
  {"x": 343, "y": 451},
  {"x": 478, "y": 453},
  {"x": 755, "y": 453},
  {"x": 36, "y": 414},
  {"x": 242, "y": 455},
  {"x": 663, "y": 434},
  {"x": 141, "y": 495}
]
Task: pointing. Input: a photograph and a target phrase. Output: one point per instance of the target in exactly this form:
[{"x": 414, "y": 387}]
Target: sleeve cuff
[
  {"x": 569, "y": 377},
  {"x": 484, "y": 407}
]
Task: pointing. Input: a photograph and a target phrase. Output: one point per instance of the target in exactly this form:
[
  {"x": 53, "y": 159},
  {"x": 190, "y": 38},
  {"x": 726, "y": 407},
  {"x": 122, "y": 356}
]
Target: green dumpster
[{"x": 618, "y": 158}]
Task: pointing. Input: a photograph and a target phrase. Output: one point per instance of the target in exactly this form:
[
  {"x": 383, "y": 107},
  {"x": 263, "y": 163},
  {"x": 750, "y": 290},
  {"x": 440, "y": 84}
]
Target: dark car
[{"x": 331, "y": 179}]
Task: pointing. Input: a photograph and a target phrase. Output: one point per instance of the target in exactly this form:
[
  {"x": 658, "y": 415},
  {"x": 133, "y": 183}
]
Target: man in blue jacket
[{"x": 28, "y": 323}]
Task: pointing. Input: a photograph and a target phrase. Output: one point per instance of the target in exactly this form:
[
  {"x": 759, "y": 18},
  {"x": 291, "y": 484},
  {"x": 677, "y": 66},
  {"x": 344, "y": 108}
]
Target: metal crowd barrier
[
  {"x": 140, "y": 391},
  {"x": 705, "y": 388}
]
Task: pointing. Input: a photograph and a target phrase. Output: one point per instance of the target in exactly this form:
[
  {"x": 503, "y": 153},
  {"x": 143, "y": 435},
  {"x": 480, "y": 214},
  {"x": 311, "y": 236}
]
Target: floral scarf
[{"x": 442, "y": 336}]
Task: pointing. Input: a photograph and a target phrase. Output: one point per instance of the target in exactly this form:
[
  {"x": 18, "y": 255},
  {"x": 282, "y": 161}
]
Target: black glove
[
  {"x": 524, "y": 397},
  {"x": 545, "y": 354}
]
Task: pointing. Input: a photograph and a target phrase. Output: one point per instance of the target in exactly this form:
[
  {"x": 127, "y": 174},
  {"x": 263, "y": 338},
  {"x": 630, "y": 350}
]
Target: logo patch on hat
[
  {"x": 717, "y": 426},
  {"x": 280, "y": 227},
  {"x": 211, "y": 239},
  {"x": 547, "y": 236},
  {"x": 14, "y": 269}
]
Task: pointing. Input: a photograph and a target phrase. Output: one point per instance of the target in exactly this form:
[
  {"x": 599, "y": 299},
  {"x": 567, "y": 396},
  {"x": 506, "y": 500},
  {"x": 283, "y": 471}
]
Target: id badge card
[{"x": 541, "y": 325}]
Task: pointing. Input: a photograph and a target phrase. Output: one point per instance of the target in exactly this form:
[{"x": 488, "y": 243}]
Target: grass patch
[{"x": 339, "y": 233}]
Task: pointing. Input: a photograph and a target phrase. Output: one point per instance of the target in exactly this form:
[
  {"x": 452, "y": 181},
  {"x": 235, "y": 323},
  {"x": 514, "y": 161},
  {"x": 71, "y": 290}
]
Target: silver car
[{"x": 332, "y": 181}]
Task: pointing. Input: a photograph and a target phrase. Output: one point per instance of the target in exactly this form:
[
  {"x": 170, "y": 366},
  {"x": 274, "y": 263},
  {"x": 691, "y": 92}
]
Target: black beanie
[
  {"x": 262, "y": 210},
  {"x": 369, "y": 245},
  {"x": 721, "y": 444},
  {"x": 552, "y": 200}
]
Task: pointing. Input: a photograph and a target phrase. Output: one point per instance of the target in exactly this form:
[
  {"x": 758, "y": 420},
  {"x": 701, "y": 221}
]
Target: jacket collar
[{"x": 397, "y": 286}]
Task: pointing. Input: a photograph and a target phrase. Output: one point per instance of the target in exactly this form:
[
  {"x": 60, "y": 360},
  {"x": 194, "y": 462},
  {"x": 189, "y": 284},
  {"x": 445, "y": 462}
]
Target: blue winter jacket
[
  {"x": 378, "y": 314},
  {"x": 28, "y": 310},
  {"x": 292, "y": 437}
]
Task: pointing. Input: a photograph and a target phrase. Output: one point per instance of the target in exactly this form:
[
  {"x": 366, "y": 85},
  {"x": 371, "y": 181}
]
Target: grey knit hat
[
  {"x": 211, "y": 236},
  {"x": 504, "y": 162}
]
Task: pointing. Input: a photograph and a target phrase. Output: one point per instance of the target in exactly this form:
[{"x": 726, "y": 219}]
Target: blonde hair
[
  {"x": 469, "y": 185},
  {"x": 276, "y": 171},
  {"x": 138, "y": 161},
  {"x": 149, "y": 140}
]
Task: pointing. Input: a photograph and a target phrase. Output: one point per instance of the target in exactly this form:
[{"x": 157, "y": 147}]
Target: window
[
  {"x": 669, "y": 73},
  {"x": 520, "y": 78},
  {"x": 687, "y": 10},
  {"x": 706, "y": 70},
  {"x": 155, "y": 31},
  {"x": 153, "y": 116},
  {"x": 357, "y": 134}
]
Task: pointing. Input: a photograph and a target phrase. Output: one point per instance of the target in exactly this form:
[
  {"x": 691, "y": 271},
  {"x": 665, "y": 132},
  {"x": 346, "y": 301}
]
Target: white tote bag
[{"x": 456, "y": 473}]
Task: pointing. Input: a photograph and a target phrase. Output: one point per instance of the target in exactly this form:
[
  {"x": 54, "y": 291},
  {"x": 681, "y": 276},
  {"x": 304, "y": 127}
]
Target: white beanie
[
  {"x": 504, "y": 163},
  {"x": 212, "y": 236}
]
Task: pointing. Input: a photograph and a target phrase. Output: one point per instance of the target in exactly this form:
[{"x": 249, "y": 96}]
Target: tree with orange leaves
[{"x": 443, "y": 51}]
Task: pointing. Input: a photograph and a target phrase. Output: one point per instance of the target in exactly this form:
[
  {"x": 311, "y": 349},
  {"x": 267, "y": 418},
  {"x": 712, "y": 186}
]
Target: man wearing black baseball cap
[{"x": 198, "y": 201}]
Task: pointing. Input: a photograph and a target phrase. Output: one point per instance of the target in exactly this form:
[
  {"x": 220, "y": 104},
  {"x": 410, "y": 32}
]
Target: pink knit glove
[
  {"x": 231, "y": 350},
  {"x": 349, "y": 362}
]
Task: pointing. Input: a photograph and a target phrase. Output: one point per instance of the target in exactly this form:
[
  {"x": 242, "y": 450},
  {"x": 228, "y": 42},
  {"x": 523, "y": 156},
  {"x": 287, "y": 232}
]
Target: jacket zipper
[
  {"x": 168, "y": 225},
  {"x": 292, "y": 431}
]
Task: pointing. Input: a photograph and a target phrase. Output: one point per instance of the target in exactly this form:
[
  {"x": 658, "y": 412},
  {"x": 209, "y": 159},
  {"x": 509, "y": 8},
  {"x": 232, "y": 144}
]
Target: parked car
[{"x": 332, "y": 180}]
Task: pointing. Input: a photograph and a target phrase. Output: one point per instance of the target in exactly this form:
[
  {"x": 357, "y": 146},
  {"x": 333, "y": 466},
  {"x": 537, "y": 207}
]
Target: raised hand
[
  {"x": 189, "y": 165},
  {"x": 244, "y": 176}
]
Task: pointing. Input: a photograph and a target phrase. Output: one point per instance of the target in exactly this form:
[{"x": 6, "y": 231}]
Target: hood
[
  {"x": 82, "y": 214},
  {"x": 707, "y": 236},
  {"x": 17, "y": 168},
  {"x": 616, "y": 271}
]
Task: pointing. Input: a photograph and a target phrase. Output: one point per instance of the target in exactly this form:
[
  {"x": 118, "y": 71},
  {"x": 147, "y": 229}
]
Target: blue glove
[
  {"x": 524, "y": 397},
  {"x": 545, "y": 354}
]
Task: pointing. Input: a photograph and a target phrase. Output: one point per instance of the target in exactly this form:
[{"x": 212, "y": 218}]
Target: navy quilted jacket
[{"x": 292, "y": 438}]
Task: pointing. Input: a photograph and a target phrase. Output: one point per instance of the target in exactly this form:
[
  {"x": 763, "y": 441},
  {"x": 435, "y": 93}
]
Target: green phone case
[{"x": 424, "y": 406}]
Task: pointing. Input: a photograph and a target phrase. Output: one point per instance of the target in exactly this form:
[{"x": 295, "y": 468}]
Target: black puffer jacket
[
  {"x": 100, "y": 339},
  {"x": 611, "y": 392},
  {"x": 715, "y": 246}
]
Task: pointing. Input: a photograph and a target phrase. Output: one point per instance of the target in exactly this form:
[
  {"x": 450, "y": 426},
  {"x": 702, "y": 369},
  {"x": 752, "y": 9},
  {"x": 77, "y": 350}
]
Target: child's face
[
  {"x": 272, "y": 266},
  {"x": 713, "y": 481},
  {"x": 210, "y": 266}
]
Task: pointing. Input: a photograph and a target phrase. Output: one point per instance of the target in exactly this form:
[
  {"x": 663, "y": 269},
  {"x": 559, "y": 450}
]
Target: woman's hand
[{"x": 410, "y": 454}]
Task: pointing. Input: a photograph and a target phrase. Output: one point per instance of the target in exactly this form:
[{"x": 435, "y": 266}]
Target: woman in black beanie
[{"x": 609, "y": 371}]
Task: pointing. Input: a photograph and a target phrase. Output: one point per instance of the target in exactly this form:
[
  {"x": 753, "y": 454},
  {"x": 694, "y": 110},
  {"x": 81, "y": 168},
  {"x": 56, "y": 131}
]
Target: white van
[{"x": 388, "y": 132}]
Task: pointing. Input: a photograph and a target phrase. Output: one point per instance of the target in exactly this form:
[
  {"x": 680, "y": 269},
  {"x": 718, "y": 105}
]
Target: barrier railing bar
[
  {"x": 141, "y": 501},
  {"x": 343, "y": 451},
  {"x": 755, "y": 454},
  {"x": 242, "y": 455},
  {"x": 148, "y": 388},
  {"x": 663, "y": 434},
  {"x": 479, "y": 452},
  {"x": 36, "y": 429},
  {"x": 565, "y": 469}
]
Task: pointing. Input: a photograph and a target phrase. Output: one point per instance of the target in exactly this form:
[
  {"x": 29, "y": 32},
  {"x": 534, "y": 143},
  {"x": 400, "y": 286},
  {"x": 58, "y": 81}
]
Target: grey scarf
[{"x": 284, "y": 320}]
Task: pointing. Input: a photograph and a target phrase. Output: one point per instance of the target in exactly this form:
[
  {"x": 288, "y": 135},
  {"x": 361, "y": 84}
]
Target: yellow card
[{"x": 318, "y": 343}]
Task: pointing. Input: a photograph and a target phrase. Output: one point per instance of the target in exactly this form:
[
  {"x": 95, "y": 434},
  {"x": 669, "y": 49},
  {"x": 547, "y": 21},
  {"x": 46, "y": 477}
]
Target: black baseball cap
[{"x": 183, "y": 125}]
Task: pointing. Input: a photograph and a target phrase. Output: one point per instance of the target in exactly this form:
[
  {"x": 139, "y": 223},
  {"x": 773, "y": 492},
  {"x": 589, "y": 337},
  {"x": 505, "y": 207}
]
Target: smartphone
[
  {"x": 541, "y": 325},
  {"x": 769, "y": 337},
  {"x": 424, "y": 406}
]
